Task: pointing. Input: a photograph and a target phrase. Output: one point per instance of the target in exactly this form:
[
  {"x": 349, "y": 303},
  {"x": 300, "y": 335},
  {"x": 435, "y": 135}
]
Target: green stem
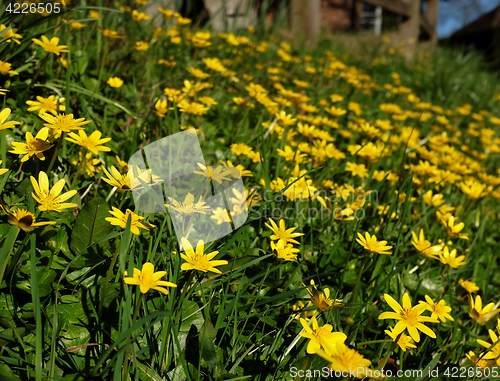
[
  {"x": 80, "y": 168},
  {"x": 54, "y": 156},
  {"x": 127, "y": 351},
  {"x": 7, "y": 254},
  {"x": 389, "y": 353},
  {"x": 108, "y": 277}
]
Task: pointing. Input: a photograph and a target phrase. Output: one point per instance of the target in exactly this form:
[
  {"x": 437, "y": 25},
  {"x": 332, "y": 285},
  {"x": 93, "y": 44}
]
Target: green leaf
[
  {"x": 206, "y": 341},
  {"x": 90, "y": 225},
  {"x": 7, "y": 374}
]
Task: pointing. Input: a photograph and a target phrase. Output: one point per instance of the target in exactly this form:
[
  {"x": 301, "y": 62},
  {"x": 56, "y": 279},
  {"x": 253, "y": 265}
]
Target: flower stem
[
  {"x": 7, "y": 255},
  {"x": 108, "y": 277},
  {"x": 127, "y": 351},
  {"x": 77, "y": 174},
  {"x": 389, "y": 352},
  {"x": 54, "y": 156}
]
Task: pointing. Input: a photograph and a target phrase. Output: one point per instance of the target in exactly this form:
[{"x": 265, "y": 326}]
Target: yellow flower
[
  {"x": 93, "y": 14},
  {"x": 282, "y": 233},
  {"x": 141, "y": 46},
  {"x": 51, "y": 46},
  {"x": 474, "y": 189},
  {"x": 33, "y": 146},
  {"x": 194, "y": 108},
  {"x": 320, "y": 337},
  {"x": 188, "y": 207},
  {"x": 123, "y": 165},
  {"x": 439, "y": 310},
  {"x": 451, "y": 259},
  {"x": 199, "y": 260},
  {"x": 161, "y": 108},
  {"x": 371, "y": 244},
  {"x": 493, "y": 353},
  {"x": 110, "y": 33},
  {"x": 92, "y": 142},
  {"x": 285, "y": 119},
  {"x": 115, "y": 82},
  {"x": 118, "y": 180},
  {"x": 10, "y": 34},
  {"x": 148, "y": 279},
  {"x": 63, "y": 62},
  {"x": 409, "y": 317},
  {"x": 336, "y": 98},
  {"x": 480, "y": 314},
  {"x": 357, "y": 169},
  {"x": 241, "y": 149},
  {"x": 120, "y": 219},
  {"x": 62, "y": 123},
  {"x": 43, "y": 105},
  {"x": 183, "y": 20},
  {"x": 24, "y": 219},
  {"x": 214, "y": 64},
  {"x": 3, "y": 170},
  {"x": 215, "y": 173},
  {"x": 345, "y": 359},
  {"x": 321, "y": 299},
  {"x": 49, "y": 199},
  {"x": 471, "y": 287},
  {"x": 6, "y": 68},
  {"x": 335, "y": 111},
  {"x": 290, "y": 154},
  {"x": 4, "y": 115},
  {"x": 198, "y": 73},
  {"x": 404, "y": 341},
  {"x": 284, "y": 250},
  {"x": 89, "y": 163},
  {"x": 434, "y": 200},
  {"x": 424, "y": 246},
  {"x": 451, "y": 229},
  {"x": 479, "y": 362},
  {"x": 139, "y": 16},
  {"x": 167, "y": 12}
]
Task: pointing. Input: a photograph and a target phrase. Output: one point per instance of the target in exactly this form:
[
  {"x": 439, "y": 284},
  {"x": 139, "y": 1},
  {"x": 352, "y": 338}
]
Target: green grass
[{"x": 65, "y": 311}]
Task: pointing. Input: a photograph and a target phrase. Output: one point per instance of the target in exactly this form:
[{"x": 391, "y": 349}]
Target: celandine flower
[
  {"x": 6, "y": 68},
  {"x": 50, "y": 200},
  {"x": 493, "y": 353},
  {"x": 282, "y": 233},
  {"x": 93, "y": 142},
  {"x": 404, "y": 341},
  {"x": 114, "y": 82},
  {"x": 370, "y": 243},
  {"x": 439, "y": 310},
  {"x": 120, "y": 219},
  {"x": 471, "y": 287},
  {"x": 51, "y": 46},
  {"x": 62, "y": 123},
  {"x": 409, "y": 317},
  {"x": 147, "y": 279},
  {"x": 4, "y": 115},
  {"x": 10, "y": 34},
  {"x": 3, "y": 170},
  {"x": 44, "y": 105},
  {"x": 34, "y": 146},
  {"x": 480, "y": 314},
  {"x": 24, "y": 219},
  {"x": 320, "y": 337},
  {"x": 199, "y": 260}
]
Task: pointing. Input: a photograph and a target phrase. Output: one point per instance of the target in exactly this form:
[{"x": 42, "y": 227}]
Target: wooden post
[
  {"x": 410, "y": 28},
  {"x": 305, "y": 18},
  {"x": 431, "y": 14}
]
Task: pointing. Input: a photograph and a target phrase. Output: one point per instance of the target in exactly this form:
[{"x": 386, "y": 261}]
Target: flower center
[
  {"x": 410, "y": 316},
  {"x": 36, "y": 145}
]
